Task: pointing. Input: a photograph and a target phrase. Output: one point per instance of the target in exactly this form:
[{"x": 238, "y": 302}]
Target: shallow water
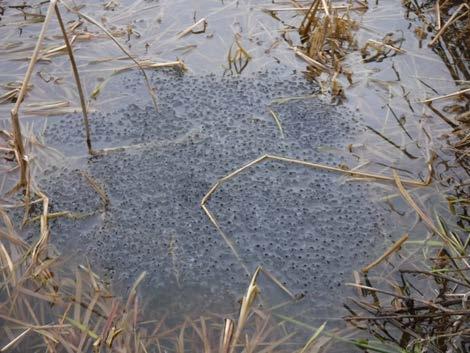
[
  {"x": 307, "y": 227},
  {"x": 292, "y": 220}
]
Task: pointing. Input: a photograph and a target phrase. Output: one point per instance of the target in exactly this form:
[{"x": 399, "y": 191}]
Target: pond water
[
  {"x": 310, "y": 229},
  {"x": 306, "y": 227}
]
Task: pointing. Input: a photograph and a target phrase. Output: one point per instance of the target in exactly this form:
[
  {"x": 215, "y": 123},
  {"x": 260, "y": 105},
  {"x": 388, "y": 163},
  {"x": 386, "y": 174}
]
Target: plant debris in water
[
  {"x": 418, "y": 302},
  {"x": 420, "y": 305}
]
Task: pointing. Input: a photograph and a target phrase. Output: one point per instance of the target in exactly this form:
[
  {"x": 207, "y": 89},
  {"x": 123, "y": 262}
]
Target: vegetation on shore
[{"x": 419, "y": 306}]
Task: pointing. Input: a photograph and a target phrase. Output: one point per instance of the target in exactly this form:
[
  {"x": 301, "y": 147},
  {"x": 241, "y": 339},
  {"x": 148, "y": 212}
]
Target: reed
[{"x": 45, "y": 305}]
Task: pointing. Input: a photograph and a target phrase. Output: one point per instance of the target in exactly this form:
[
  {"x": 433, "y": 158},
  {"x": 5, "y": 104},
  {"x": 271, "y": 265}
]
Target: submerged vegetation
[
  {"x": 421, "y": 304},
  {"x": 413, "y": 298},
  {"x": 46, "y": 307}
]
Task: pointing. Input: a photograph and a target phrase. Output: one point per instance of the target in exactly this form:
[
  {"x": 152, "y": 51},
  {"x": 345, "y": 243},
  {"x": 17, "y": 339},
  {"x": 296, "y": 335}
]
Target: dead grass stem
[
  {"x": 353, "y": 173},
  {"x": 123, "y": 49},
  {"x": 77, "y": 80},
  {"x": 19, "y": 146}
]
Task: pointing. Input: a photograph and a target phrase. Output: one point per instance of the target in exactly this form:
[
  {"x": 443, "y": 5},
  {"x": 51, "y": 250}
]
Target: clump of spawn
[{"x": 307, "y": 227}]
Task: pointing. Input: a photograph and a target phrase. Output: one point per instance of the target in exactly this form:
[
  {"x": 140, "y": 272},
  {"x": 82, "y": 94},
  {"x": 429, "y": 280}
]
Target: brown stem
[
  {"x": 15, "y": 121},
  {"x": 77, "y": 81},
  {"x": 437, "y": 275}
]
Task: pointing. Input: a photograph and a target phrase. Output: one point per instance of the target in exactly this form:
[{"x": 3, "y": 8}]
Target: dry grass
[
  {"x": 45, "y": 307},
  {"x": 359, "y": 175},
  {"x": 425, "y": 308},
  {"x": 421, "y": 305},
  {"x": 327, "y": 36},
  {"x": 450, "y": 23},
  {"x": 237, "y": 57},
  {"x": 17, "y": 94}
]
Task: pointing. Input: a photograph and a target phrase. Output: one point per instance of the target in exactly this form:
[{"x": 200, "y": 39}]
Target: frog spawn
[{"x": 308, "y": 227}]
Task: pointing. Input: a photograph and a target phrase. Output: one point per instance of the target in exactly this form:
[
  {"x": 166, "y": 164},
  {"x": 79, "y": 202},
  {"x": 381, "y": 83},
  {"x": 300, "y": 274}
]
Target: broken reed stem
[
  {"x": 437, "y": 275},
  {"x": 278, "y": 121},
  {"x": 15, "y": 340},
  {"x": 124, "y": 50},
  {"x": 429, "y": 100},
  {"x": 147, "y": 64},
  {"x": 21, "y": 94},
  {"x": 387, "y": 253},
  {"x": 391, "y": 47},
  {"x": 413, "y": 204},
  {"x": 247, "y": 302},
  {"x": 447, "y": 24},
  {"x": 192, "y": 27},
  {"x": 326, "y": 7},
  {"x": 308, "y": 19},
  {"x": 425, "y": 218},
  {"x": 77, "y": 80},
  {"x": 279, "y": 284},
  {"x": 356, "y": 174},
  {"x": 225, "y": 237},
  {"x": 402, "y": 297},
  {"x": 44, "y": 229},
  {"x": 311, "y": 61},
  {"x": 227, "y": 336},
  {"x": 99, "y": 189}
]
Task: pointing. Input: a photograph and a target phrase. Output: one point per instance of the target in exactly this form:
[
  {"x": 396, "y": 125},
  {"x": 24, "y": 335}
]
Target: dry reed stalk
[
  {"x": 9, "y": 262},
  {"x": 224, "y": 237},
  {"x": 240, "y": 59},
  {"x": 399, "y": 296},
  {"x": 12, "y": 94},
  {"x": 396, "y": 246},
  {"x": 41, "y": 244},
  {"x": 312, "y": 61},
  {"x": 10, "y": 233},
  {"x": 326, "y": 7},
  {"x": 123, "y": 49},
  {"x": 325, "y": 40},
  {"x": 309, "y": 345},
  {"x": 447, "y": 24},
  {"x": 453, "y": 94},
  {"x": 192, "y": 27},
  {"x": 148, "y": 64},
  {"x": 18, "y": 138},
  {"x": 60, "y": 214},
  {"x": 278, "y": 121},
  {"x": 77, "y": 80},
  {"x": 279, "y": 284},
  {"x": 203, "y": 334},
  {"x": 309, "y": 19},
  {"x": 266, "y": 157},
  {"x": 381, "y": 44},
  {"x": 227, "y": 336},
  {"x": 98, "y": 188},
  {"x": 438, "y": 15},
  {"x": 15, "y": 340},
  {"x": 301, "y": 8},
  {"x": 362, "y": 3},
  {"x": 247, "y": 302},
  {"x": 50, "y": 53},
  {"x": 428, "y": 221},
  {"x": 9, "y": 96}
]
